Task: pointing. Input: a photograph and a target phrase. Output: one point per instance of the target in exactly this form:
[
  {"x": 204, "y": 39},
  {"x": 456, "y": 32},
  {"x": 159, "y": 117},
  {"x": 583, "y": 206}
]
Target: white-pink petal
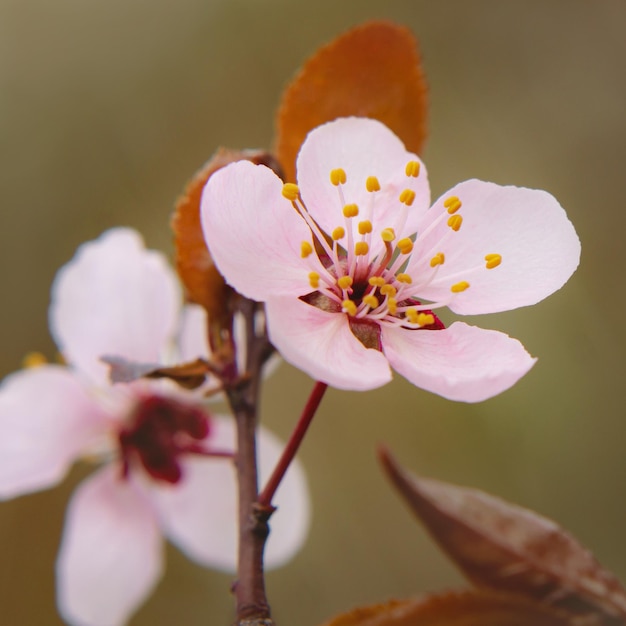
[
  {"x": 322, "y": 344},
  {"x": 253, "y": 233},
  {"x": 362, "y": 147},
  {"x": 111, "y": 555},
  {"x": 192, "y": 336},
  {"x": 199, "y": 514},
  {"x": 528, "y": 228},
  {"x": 47, "y": 418},
  {"x": 461, "y": 362},
  {"x": 114, "y": 298}
]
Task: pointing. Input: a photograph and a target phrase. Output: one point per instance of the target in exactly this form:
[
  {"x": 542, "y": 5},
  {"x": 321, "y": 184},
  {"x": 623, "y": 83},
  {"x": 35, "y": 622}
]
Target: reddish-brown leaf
[
  {"x": 203, "y": 283},
  {"x": 469, "y": 608},
  {"x": 373, "y": 70},
  {"x": 508, "y": 548}
]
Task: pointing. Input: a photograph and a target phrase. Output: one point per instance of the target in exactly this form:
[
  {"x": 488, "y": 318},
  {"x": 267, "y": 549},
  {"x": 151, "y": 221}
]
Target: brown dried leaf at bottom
[
  {"x": 465, "y": 608},
  {"x": 508, "y": 548},
  {"x": 373, "y": 70}
]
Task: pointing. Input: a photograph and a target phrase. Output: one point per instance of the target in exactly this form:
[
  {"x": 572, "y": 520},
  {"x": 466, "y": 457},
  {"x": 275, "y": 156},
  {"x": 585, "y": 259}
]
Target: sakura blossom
[
  {"x": 354, "y": 264},
  {"x": 160, "y": 449}
]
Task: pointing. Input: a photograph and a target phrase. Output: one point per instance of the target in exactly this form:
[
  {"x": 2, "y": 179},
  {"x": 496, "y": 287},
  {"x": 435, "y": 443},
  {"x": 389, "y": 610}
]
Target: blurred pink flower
[
  {"x": 352, "y": 263},
  {"x": 116, "y": 298}
]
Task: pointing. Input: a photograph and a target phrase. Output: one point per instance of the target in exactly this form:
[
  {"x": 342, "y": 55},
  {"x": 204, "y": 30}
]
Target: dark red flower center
[{"x": 159, "y": 431}]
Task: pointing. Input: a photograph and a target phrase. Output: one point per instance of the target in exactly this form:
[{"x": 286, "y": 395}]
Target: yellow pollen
[
  {"x": 425, "y": 319},
  {"x": 412, "y": 168},
  {"x": 392, "y": 305},
  {"x": 407, "y": 196},
  {"x": 438, "y": 259},
  {"x": 305, "y": 249},
  {"x": 376, "y": 281},
  {"x": 345, "y": 282},
  {"x": 493, "y": 260},
  {"x": 412, "y": 315},
  {"x": 338, "y": 233},
  {"x": 350, "y": 210},
  {"x": 34, "y": 359},
  {"x": 314, "y": 279},
  {"x": 291, "y": 191},
  {"x": 372, "y": 184},
  {"x": 454, "y": 222},
  {"x": 404, "y": 278},
  {"x": 405, "y": 245},
  {"x": 388, "y": 234},
  {"x": 459, "y": 287},
  {"x": 365, "y": 227},
  {"x": 361, "y": 248},
  {"x": 388, "y": 290},
  {"x": 453, "y": 204},
  {"x": 349, "y": 307},
  {"x": 371, "y": 301},
  {"x": 338, "y": 176}
]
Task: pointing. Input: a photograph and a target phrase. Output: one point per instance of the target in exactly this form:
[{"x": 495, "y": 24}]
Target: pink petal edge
[{"x": 462, "y": 362}]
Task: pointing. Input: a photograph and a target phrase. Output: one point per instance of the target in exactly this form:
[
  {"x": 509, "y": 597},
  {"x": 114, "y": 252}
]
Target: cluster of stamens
[{"x": 347, "y": 278}]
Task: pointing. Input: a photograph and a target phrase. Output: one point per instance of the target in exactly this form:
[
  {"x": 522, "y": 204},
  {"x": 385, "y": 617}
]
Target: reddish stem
[{"x": 266, "y": 496}]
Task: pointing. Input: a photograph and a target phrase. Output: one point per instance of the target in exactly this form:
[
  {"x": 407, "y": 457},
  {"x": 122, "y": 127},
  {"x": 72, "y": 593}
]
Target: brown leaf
[
  {"x": 373, "y": 70},
  {"x": 506, "y": 547},
  {"x": 203, "y": 283},
  {"x": 468, "y": 608},
  {"x": 187, "y": 375}
]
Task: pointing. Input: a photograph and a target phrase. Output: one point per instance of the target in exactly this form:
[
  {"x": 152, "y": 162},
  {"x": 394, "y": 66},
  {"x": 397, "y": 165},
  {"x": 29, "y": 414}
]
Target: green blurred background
[{"x": 107, "y": 108}]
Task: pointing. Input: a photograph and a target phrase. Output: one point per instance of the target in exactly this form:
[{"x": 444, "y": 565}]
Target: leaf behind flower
[{"x": 373, "y": 70}]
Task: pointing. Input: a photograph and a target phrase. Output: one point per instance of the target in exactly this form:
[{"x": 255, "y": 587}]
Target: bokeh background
[{"x": 107, "y": 108}]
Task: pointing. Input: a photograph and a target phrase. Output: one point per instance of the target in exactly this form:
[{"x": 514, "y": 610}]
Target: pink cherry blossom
[
  {"x": 153, "y": 439},
  {"x": 353, "y": 262}
]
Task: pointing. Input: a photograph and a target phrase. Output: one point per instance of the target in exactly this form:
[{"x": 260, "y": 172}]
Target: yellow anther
[
  {"x": 361, "y": 248},
  {"x": 345, "y": 282},
  {"x": 459, "y": 287},
  {"x": 305, "y": 249},
  {"x": 338, "y": 233},
  {"x": 349, "y": 307},
  {"x": 376, "y": 281},
  {"x": 405, "y": 245},
  {"x": 425, "y": 319},
  {"x": 454, "y": 222},
  {"x": 372, "y": 184},
  {"x": 412, "y": 168},
  {"x": 412, "y": 315},
  {"x": 452, "y": 203},
  {"x": 291, "y": 191},
  {"x": 365, "y": 227},
  {"x": 407, "y": 196},
  {"x": 493, "y": 260},
  {"x": 392, "y": 305},
  {"x": 338, "y": 176},
  {"x": 404, "y": 278},
  {"x": 388, "y": 234},
  {"x": 34, "y": 359},
  {"x": 438, "y": 259},
  {"x": 314, "y": 279},
  {"x": 370, "y": 300},
  {"x": 388, "y": 290},
  {"x": 350, "y": 210}
]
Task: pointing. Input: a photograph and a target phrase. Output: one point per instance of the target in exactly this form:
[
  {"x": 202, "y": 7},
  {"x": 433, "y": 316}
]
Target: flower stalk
[
  {"x": 252, "y": 607},
  {"x": 289, "y": 453}
]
